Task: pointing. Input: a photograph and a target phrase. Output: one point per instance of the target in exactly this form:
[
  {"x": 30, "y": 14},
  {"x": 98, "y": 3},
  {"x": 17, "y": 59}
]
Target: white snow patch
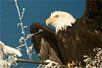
[
  {"x": 10, "y": 50},
  {"x": 8, "y": 55}
]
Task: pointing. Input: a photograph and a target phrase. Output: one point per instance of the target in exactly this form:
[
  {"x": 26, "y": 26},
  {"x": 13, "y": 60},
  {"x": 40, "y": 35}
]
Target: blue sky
[{"x": 35, "y": 11}]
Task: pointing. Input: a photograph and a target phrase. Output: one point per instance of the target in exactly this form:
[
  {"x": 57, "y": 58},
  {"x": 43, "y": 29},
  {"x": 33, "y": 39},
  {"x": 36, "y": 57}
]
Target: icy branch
[
  {"x": 8, "y": 55},
  {"x": 23, "y": 39}
]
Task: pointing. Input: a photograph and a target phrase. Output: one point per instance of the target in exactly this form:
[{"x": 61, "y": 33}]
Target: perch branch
[{"x": 31, "y": 61}]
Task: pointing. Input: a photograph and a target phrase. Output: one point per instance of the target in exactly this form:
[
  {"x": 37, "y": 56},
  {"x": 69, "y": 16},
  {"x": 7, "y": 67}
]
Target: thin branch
[
  {"x": 23, "y": 27},
  {"x": 31, "y": 61},
  {"x": 36, "y": 62}
]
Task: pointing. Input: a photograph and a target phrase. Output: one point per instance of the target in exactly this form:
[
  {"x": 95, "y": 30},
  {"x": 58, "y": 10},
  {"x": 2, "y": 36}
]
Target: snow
[
  {"x": 4, "y": 64},
  {"x": 51, "y": 64},
  {"x": 8, "y": 55},
  {"x": 95, "y": 61},
  {"x": 2, "y": 43},
  {"x": 10, "y": 50}
]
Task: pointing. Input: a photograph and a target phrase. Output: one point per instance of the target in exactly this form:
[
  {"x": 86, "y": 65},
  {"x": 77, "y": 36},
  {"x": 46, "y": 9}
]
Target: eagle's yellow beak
[{"x": 50, "y": 20}]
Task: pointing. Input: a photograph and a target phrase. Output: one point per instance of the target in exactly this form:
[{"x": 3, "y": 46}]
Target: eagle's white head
[{"x": 60, "y": 20}]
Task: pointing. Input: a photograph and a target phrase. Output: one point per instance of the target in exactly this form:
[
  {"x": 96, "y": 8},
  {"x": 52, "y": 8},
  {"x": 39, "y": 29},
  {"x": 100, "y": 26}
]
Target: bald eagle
[{"x": 72, "y": 38}]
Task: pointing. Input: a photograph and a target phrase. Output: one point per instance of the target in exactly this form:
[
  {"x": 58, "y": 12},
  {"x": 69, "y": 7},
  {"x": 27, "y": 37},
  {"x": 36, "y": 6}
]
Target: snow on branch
[
  {"x": 24, "y": 38},
  {"x": 8, "y": 55},
  {"x": 51, "y": 64},
  {"x": 95, "y": 62},
  {"x": 9, "y": 50}
]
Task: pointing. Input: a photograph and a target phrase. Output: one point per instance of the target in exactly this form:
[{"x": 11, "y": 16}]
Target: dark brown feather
[
  {"x": 45, "y": 43},
  {"x": 76, "y": 41}
]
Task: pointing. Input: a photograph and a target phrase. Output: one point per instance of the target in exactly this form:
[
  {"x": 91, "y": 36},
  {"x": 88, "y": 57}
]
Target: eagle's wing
[
  {"x": 45, "y": 43},
  {"x": 84, "y": 35}
]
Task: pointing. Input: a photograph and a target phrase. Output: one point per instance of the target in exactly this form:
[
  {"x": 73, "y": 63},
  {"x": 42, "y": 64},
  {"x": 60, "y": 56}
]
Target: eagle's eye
[{"x": 56, "y": 16}]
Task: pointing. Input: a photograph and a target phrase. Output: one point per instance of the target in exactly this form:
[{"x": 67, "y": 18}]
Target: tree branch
[{"x": 31, "y": 61}]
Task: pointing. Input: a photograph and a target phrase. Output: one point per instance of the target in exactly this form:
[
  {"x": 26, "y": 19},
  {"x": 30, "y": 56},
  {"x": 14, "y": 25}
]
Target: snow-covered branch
[
  {"x": 8, "y": 55},
  {"x": 23, "y": 39},
  {"x": 96, "y": 61}
]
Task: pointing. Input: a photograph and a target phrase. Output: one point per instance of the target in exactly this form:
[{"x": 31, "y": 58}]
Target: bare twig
[{"x": 31, "y": 61}]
